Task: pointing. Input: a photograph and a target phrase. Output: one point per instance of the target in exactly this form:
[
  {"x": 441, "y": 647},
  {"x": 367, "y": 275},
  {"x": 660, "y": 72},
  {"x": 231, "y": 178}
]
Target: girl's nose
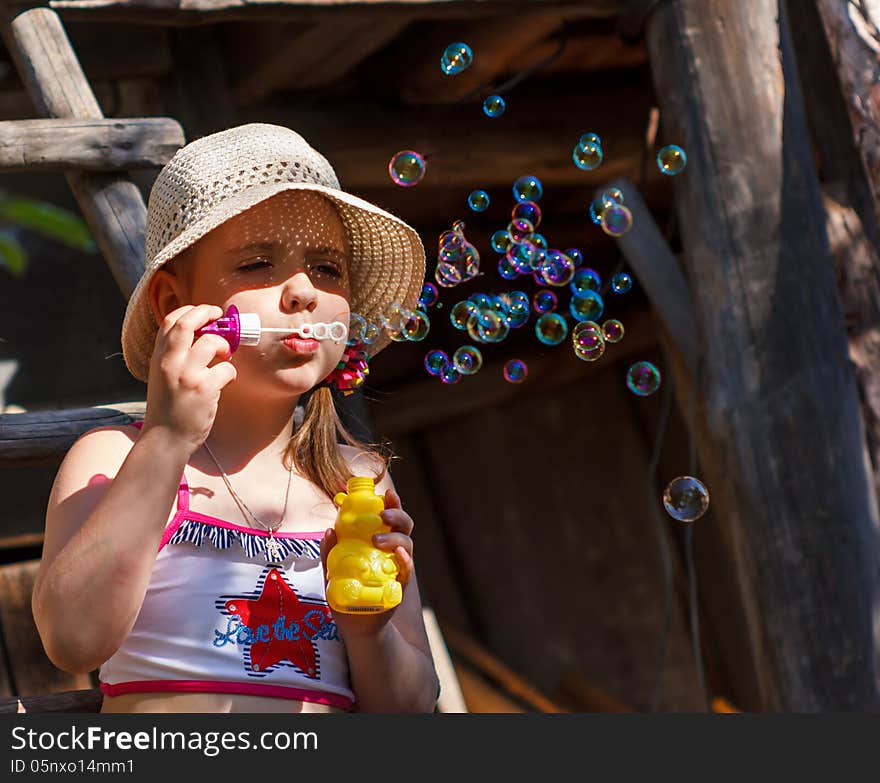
[{"x": 299, "y": 293}]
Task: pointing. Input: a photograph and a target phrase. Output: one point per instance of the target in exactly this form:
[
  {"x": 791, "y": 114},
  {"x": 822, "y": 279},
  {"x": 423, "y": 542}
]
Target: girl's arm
[{"x": 104, "y": 522}]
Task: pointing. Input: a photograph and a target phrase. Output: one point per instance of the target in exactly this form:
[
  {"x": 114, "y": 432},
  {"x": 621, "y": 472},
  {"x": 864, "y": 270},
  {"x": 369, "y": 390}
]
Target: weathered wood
[
  {"x": 581, "y": 696},
  {"x": 30, "y": 670},
  {"x": 44, "y": 437},
  {"x": 86, "y": 700},
  {"x": 112, "y": 205},
  {"x": 658, "y": 272},
  {"x": 88, "y": 145},
  {"x": 481, "y": 696},
  {"x": 777, "y": 380}
]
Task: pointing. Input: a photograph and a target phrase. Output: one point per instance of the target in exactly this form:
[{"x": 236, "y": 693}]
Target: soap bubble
[
  {"x": 394, "y": 316},
  {"x": 587, "y": 156},
  {"x": 482, "y": 301},
  {"x": 528, "y": 210},
  {"x": 590, "y": 138},
  {"x": 612, "y": 196},
  {"x": 494, "y": 106},
  {"x": 447, "y": 275},
  {"x": 520, "y": 229},
  {"x": 671, "y": 160},
  {"x": 544, "y": 301},
  {"x": 575, "y": 255},
  {"x": 585, "y": 279},
  {"x": 456, "y": 58},
  {"x": 621, "y": 283},
  {"x": 616, "y": 220},
  {"x": 506, "y": 269},
  {"x": 356, "y": 326},
  {"x": 528, "y": 188},
  {"x": 417, "y": 326},
  {"x": 501, "y": 241},
  {"x": 461, "y": 312},
  {"x": 407, "y": 168},
  {"x": 588, "y": 340},
  {"x": 515, "y": 371},
  {"x": 613, "y": 330},
  {"x": 429, "y": 295},
  {"x": 478, "y": 200},
  {"x": 538, "y": 240},
  {"x": 557, "y": 269},
  {"x": 435, "y": 361},
  {"x": 487, "y": 326},
  {"x": 371, "y": 333},
  {"x": 643, "y": 378},
  {"x": 449, "y": 375},
  {"x": 597, "y": 209},
  {"x": 522, "y": 256},
  {"x": 587, "y": 306},
  {"x": 686, "y": 498},
  {"x": 467, "y": 359},
  {"x": 551, "y": 329}
]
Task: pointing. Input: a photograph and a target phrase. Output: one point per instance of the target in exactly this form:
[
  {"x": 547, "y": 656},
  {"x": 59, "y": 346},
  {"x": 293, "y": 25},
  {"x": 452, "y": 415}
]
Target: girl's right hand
[{"x": 183, "y": 391}]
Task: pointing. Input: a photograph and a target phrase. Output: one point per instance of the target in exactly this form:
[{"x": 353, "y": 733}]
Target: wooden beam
[
  {"x": 780, "y": 437},
  {"x": 88, "y": 145},
  {"x": 111, "y": 203},
  {"x": 86, "y": 700}
]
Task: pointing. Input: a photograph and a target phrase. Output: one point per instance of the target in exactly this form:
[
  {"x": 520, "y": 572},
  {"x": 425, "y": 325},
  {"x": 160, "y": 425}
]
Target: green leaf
[
  {"x": 12, "y": 255},
  {"x": 54, "y": 222}
]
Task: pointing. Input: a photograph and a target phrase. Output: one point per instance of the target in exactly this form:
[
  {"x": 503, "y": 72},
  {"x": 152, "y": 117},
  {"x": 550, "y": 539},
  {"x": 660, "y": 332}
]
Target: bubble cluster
[
  {"x": 671, "y": 160},
  {"x": 478, "y": 200},
  {"x": 588, "y": 341},
  {"x": 494, "y": 106},
  {"x": 643, "y": 379},
  {"x": 456, "y": 58},
  {"x": 515, "y": 371},
  {"x": 686, "y": 498},
  {"x": 407, "y": 168},
  {"x": 457, "y": 259}
]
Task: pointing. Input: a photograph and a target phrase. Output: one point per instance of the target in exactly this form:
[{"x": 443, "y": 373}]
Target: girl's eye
[
  {"x": 329, "y": 269},
  {"x": 253, "y": 265}
]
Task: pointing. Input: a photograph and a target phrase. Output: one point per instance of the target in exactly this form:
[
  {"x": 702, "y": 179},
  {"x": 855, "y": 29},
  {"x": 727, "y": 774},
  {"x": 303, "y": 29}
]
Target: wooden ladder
[{"x": 95, "y": 155}]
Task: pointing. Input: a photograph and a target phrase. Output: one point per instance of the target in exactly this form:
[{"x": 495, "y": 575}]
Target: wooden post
[{"x": 781, "y": 440}]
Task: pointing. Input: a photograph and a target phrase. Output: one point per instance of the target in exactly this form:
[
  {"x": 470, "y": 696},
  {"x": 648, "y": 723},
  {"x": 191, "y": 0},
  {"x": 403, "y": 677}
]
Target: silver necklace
[{"x": 273, "y": 548}]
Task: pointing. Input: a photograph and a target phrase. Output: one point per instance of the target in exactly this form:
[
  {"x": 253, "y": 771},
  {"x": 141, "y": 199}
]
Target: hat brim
[{"x": 387, "y": 264}]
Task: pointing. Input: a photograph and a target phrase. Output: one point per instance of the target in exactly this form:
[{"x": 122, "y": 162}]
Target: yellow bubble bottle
[{"x": 361, "y": 577}]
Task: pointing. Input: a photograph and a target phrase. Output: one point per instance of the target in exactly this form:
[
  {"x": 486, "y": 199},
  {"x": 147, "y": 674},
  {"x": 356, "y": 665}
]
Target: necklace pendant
[{"x": 273, "y": 549}]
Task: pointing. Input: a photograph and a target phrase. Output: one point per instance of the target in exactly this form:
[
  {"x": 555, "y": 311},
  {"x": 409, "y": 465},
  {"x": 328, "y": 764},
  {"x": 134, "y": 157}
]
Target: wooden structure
[{"x": 521, "y": 491}]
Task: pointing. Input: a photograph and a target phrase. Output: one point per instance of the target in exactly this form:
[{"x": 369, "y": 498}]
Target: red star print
[{"x": 277, "y": 599}]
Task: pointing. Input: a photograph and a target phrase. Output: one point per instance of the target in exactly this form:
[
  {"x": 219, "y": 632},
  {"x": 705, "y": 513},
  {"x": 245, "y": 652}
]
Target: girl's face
[{"x": 286, "y": 259}]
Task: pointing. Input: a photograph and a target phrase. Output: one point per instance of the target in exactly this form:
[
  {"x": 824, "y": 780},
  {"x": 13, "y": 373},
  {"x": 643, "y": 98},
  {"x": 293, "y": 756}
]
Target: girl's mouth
[{"x": 299, "y": 345}]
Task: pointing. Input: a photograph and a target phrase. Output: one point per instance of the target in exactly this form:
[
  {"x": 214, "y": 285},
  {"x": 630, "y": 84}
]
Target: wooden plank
[
  {"x": 481, "y": 696},
  {"x": 582, "y": 696},
  {"x": 86, "y": 700},
  {"x": 44, "y": 437},
  {"x": 31, "y": 670},
  {"x": 112, "y": 205},
  {"x": 88, "y": 144},
  {"x": 777, "y": 378}
]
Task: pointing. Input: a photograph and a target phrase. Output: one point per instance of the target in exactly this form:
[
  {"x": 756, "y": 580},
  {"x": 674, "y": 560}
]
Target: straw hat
[{"x": 221, "y": 175}]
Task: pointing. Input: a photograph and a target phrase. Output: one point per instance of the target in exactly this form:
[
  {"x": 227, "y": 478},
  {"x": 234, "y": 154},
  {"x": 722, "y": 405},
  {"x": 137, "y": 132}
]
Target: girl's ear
[{"x": 165, "y": 293}]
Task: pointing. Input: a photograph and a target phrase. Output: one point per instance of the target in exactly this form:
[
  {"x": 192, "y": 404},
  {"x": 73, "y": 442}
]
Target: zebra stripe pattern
[{"x": 194, "y": 532}]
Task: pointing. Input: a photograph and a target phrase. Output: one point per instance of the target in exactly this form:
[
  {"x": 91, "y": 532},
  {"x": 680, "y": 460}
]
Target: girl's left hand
[{"x": 397, "y": 540}]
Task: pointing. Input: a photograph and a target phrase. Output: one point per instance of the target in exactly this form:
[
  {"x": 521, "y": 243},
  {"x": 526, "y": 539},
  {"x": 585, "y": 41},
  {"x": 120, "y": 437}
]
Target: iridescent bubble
[
  {"x": 686, "y": 498},
  {"x": 501, "y": 241},
  {"x": 356, "y": 326},
  {"x": 481, "y": 300},
  {"x": 613, "y": 330},
  {"x": 539, "y": 240},
  {"x": 621, "y": 283},
  {"x": 544, "y": 301},
  {"x": 517, "y": 298},
  {"x": 417, "y": 326},
  {"x": 643, "y": 378},
  {"x": 616, "y": 220},
  {"x": 551, "y": 329},
  {"x": 590, "y": 138},
  {"x": 575, "y": 255},
  {"x": 494, "y": 106},
  {"x": 458, "y": 226},
  {"x": 394, "y": 316},
  {"x": 506, "y": 269},
  {"x": 521, "y": 255},
  {"x": 461, "y": 312},
  {"x": 528, "y": 188},
  {"x": 449, "y": 374},
  {"x": 556, "y": 270},
  {"x": 487, "y": 326},
  {"x": 597, "y": 209},
  {"x": 612, "y": 196},
  {"x": 467, "y": 359},
  {"x": 587, "y": 306},
  {"x": 587, "y": 156},
  {"x": 456, "y": 58},
  {"x": 588, "y": 340},
  {"x": 407, "y": 168},
  {"x": 528, "y": 210},
  {"x": 371, "y": 333},
  {"x": 585, "y": 279},
  {"x": 429, "y": 295},
  {"x": 471, "y": 260},
  {"x": 447, "y": 275},
  {"x": 478, "y": 200},
  {"x": 671, "y": 160},
  {"x": 435, "y": 361},
  {"x": 518, "y": 313},
  {"x": 520, "y": 229},
  {"x": 515, "y": 371}
]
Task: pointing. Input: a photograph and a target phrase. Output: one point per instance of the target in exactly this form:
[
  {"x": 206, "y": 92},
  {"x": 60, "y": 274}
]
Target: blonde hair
[{"x": 314, "y": 447}]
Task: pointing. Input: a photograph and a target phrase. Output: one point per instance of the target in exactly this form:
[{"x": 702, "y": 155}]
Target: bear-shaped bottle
[{"x": 361, "y": 577}]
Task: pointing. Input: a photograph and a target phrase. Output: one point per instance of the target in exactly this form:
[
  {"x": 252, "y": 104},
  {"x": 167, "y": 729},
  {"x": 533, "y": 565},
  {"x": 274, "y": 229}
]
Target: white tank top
[{"x": 217, "y": 617}]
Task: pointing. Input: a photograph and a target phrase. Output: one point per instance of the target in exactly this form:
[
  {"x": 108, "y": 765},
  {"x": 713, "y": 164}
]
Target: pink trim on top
[
  {"x": 183, "y": 506},
  {"x": 210, "y": 686}
]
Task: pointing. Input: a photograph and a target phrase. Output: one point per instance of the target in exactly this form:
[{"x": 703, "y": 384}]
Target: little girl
[{"x": 185, "y": 558}]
